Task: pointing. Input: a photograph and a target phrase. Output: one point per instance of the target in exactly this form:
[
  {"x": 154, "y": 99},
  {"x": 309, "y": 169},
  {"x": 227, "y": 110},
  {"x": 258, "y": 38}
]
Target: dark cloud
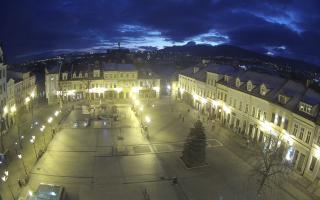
[{"x": 29, "y": 27}]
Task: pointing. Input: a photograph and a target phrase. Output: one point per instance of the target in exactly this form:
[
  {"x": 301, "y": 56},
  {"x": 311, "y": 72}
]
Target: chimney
[{"x": 195, "y": 69}]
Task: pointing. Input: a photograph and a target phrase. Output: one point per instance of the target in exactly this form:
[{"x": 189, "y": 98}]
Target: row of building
[
  {"x": 17, "y": 91},
  {"x": 99, "y": 81},
  {"x": 263, "y": 107}
]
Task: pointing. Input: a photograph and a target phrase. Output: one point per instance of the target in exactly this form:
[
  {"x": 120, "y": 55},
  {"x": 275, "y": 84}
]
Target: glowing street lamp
[
  {"x": 4, "y": 179},
  {"x": 56, "y": 113},
  {"x": 32, "y": 140},
  {"x": 50, "y": 120},
  {"x": 43, "y": 134},
  {"x": 27, "y": 100},
  {"x": 147, "y": 119},
  {"x": 32, "y": 94},
  {"x": 24, "y": 166}
]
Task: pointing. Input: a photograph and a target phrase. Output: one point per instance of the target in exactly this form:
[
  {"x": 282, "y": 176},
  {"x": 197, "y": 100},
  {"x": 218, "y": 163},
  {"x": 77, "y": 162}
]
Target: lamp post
[
  {"x": 24, "y": 166},
  {"x": 32, "y": 140},
  {"x": 50, "y": 119},
  {"x": 141, "y": 109},
  {"x": 43, "y": 135},
  {"x": 32, "y": 95},
  {"x": 5, "y": 111},
  {"x": 148, "y": 121},
  {"x": 13, "y": 111},
  {"x": 4, "y": 179}
]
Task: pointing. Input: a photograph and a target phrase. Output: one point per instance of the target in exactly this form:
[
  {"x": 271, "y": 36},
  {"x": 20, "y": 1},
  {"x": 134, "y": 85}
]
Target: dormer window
[
  {"x": 283, "y": 99},
  {"x": 74, "y": 75},
  {"x": 96, "y": 73},
  {"x": 263, "y": 89},
  {"x": 64, "y": 76},
  {"x": 249, "y": 86},
  {"x": 80, "y": 75},
  {"x": 226, "y": 78},
  {"x": 238, "y": 83},
  {"x": 86, "y": 75},
  {"x": 306, "y": 108}
]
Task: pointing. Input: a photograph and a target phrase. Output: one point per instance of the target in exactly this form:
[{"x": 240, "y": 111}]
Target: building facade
[
  {"x": 262, "y": 107},
  {"x": 100, "y": 81},
  {"x": 3, "y": 89},
  {"x": 21, "y": 91}
]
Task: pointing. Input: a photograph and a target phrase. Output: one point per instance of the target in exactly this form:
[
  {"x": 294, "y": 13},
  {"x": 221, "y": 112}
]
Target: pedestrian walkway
[
  {"x": 33, "y": 144},
  {"x": 131, "y": 150}
]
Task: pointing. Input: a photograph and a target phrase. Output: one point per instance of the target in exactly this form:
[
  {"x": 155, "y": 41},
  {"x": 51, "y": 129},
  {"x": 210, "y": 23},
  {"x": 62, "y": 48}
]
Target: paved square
[{"x": 120, "y": 163}]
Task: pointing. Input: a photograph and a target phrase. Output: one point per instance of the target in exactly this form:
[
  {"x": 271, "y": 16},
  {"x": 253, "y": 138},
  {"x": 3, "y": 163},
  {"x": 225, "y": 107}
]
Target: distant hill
[{"x": 239, "y": 53}]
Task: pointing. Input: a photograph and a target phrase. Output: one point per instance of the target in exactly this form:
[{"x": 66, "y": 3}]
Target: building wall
[
  {"x": 101, "y": 85},
  {"x": 3, "y": 89},
  {"x": 256, "y": 118}
]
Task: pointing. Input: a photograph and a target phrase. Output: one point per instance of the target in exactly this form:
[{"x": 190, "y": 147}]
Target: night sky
[{"x": 31, "y": 28}]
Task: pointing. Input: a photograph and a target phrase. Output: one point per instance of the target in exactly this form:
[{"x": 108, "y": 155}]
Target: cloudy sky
[{"x": 285, "y": 27}]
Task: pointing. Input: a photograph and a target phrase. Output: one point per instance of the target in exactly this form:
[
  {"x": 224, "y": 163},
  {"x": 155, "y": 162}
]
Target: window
[
  {"x": 238, "y": 82},
  {"x": 301, "y": 133},
  {"x": 226, "y": 78},
  {"x": 64, "y": 76},
  {"x": 264, "y": 116},
  {"x": 313, "y": 163},
  {"x": 318, "y": 141},
  {"x": 308, "y": 137},
  {"x": 263, "y": 89},
  {"x": 249, "y": 86},
  {"x": 295, "y": 129},
  {"x": 305, "y": 108},
  {"x": 240, "y": 106},
  {"x": 253, "y": 111},
  {"x": 279, "y": 120},
  {"x": 246, "y": 110},
  {"x": 273, "y": 118},
  {"x": 259, "y": 114},
  {"x": 282, "y": 99},
  {"x": 285, "y": 125}
]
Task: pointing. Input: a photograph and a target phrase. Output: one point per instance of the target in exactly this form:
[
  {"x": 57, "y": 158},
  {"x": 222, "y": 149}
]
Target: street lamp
[
  {"x": 32, "y": 140},
  {"x": 4, "y": 179},
  {"x": 50, "y": 119},
  {"x": 24, "y": 166},
  {"x": 56, "y": 113},
  {"x": 13, "y": 111},
  {"x": 147, "y": 119},
  {"x": 43, "y": 134}
]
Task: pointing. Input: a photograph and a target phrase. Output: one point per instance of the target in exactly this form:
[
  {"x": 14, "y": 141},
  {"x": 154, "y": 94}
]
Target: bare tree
[{"x": 270, "y": 168}]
